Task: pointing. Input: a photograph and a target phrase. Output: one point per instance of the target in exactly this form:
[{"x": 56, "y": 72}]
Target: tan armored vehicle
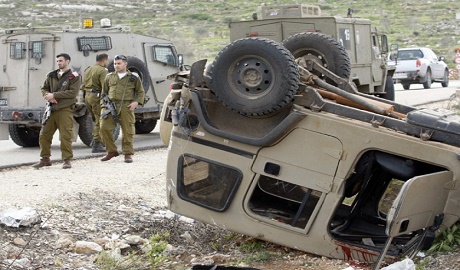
[
  {"x": 28, "y": 54},
  {"x": 349, "y": 47},
  {"x": 262, "y": 146}
]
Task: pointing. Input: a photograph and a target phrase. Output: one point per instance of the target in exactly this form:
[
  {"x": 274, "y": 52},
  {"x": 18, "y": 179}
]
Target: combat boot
[
  {"x": 109, "y": 156},
  {"x": 44, "y": 161},
  {"x": 67, "y": 164},
  {"x": 98, "y": 147},
  {"x": 128, "y": 159}
]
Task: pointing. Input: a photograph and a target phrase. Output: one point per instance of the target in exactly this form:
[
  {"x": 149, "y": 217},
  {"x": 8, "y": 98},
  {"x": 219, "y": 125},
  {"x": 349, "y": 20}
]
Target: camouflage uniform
[
  {"x": 61, "y": 112},
  {"x": 122, "y": 92},
  {"x": 93, "y": 80}
]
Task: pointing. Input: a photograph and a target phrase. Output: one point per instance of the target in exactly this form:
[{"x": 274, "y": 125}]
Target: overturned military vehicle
[{"x": 260, "y": 145}]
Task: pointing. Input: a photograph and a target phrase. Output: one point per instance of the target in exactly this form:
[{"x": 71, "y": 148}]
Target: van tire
[
  {"x": 389, "y": 89},
  {"x": 406, "y": 86},
  {"x": 254, "y": 76},
  {"x": 24, "y": 136},
  {"x": 136, "y": 65},
  {"x": 322, "y": 49},
  {"x": 145, "y": 126},
  {"x": 85, "y": 129}
]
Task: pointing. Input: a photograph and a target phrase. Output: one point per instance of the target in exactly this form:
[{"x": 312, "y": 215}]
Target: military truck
[
  {"x": 261, "y": 145},
  {"x": 349, "y": 47},
  {"x": 29, "y": 54}
]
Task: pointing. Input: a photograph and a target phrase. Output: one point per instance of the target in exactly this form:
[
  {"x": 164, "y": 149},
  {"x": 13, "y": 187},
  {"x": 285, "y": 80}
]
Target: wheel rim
[
  {"x": 312, "y": 55},
  {"x": 251, "y": 77}
]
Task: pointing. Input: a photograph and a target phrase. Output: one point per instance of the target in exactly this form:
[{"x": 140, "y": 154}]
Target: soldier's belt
[{"x": 95, "y": 91}]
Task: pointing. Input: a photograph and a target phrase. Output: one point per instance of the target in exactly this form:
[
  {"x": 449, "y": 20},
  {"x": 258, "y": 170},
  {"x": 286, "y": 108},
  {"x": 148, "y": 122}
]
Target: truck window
[
  {"x": 36, "y": 49},
  {"x": 164, "y": 54},
  {"x": 86, "y": 44},
  {"x": 207, "y": 183},
  {"x": 17, "y": 50},
  {"x": 283, "y": 202}
]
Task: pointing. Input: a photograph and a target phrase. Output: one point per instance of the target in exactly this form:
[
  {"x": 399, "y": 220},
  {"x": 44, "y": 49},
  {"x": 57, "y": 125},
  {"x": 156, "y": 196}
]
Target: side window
[
  {"x": 87, "y": 44},
  {"x": 164, "y": 54},
  {"x": 17, "y": 50},
  {"x": 282, "y": 202},
  {"x": 207, "y": 183}
]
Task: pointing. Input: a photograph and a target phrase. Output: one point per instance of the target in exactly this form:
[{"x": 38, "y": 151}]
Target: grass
[{"x": 178, "y": 22}]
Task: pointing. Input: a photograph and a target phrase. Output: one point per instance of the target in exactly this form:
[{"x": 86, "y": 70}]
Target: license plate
[
  {"x": 3, "y": 102},
  {"x": 400, "y": 76}
]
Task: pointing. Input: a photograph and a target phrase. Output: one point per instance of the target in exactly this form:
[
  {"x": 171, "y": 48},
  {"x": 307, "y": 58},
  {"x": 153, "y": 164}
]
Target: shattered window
[
  {"x": 284, "y": 202},
  {"x": 17, "y": 50},
  {"x": 207, "y": 183}
]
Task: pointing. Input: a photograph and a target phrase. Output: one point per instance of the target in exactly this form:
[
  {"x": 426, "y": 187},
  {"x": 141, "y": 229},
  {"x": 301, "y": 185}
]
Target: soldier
[
  {"x": 93, "y": 79},
  {"x": 124, "y": 88},
  {"x": 60, "y": 89}
]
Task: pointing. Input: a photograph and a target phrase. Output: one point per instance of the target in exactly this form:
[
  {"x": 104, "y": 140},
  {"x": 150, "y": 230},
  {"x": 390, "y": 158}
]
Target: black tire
[
  {"x": 138, "y": 66},
  {"x": 427, "y": 83},
  {"x": 145, "y": 126},
  {"x": 85, "y": 130},
  {"x": 254, "y": 76},
  {"x": 389, "y": 89},
  {"x": 24, "y": 136},
  {"x": 321, "y": 48},
  {"x": 406, "y": 86},
  {"x": 445, "y": 79}
]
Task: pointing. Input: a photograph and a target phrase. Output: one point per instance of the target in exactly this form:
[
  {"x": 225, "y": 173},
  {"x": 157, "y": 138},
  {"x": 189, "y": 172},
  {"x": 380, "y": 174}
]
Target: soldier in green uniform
[
  {"x": 60, "y": 90},
  {"x": 93, "y": 80},
  {"x": 125, "y": 89}
]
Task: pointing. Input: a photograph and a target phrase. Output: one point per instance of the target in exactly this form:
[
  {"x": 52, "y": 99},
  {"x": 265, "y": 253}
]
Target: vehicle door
[
  {"x": 437, "y": 67},
  {"x": 410, "y": 211},
  {"x": 162, "y": 61},
  {"x": 29, "y": 59}
]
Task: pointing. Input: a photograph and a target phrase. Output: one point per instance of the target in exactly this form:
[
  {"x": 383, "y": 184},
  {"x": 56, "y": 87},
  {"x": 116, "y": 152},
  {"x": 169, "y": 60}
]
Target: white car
[{"x": 419, "y": 66}]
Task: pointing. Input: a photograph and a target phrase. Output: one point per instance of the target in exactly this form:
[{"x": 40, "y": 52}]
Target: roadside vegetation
[{"x": 199, "y": 28}]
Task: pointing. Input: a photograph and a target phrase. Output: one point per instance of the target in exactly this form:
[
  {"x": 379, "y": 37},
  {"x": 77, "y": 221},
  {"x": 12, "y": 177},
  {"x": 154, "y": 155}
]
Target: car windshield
[{"x": 409, "y": 55}]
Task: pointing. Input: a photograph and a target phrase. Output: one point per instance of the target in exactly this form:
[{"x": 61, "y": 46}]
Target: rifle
[
  {"x": 110, "y": 109},
  {"x": 47, "y": 114}
]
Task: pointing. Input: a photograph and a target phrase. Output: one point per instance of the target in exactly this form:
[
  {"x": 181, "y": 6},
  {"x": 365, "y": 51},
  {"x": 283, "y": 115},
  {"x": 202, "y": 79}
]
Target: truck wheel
[
  {"x": 85, "y": 130},
  {"x": 445, "y": 80},
  {"x": 389, "y": 89},
  {"x": 24, "y": 136},
  {"x": 145, "y": 126},
  {"x": 427, "y": 83},
  {"x": 136, "y": 65},
  {"x": 322, "y": 49},
  {"x": 254, "y": 76},
  {"x": 406, "y": 86}
]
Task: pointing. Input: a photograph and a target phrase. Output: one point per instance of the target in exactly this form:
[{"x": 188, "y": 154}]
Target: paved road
[
  {"x": 11, "y": 154},
  {"x": 417, "y": 95}
]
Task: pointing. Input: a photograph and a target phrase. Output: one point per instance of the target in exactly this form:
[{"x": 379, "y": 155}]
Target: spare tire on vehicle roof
[
  {"x": 254, "y": 76},
  {"x": 322, "y": 49}
]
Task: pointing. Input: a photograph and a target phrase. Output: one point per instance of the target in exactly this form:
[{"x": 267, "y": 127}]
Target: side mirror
[
  {"x": 384, "y": 44},
  {"x": 441, "y": 58},
  {"x": 180, "y": 59},
  {"x": 394, "y": 51}
]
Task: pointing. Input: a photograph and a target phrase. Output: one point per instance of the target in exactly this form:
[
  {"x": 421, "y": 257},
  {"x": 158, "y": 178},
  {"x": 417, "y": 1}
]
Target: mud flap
[{"x": 416, "y": 207}]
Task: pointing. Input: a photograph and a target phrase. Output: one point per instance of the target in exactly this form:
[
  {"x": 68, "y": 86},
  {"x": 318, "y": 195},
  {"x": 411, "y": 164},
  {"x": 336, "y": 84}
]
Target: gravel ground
[
  {"x": 26, "y": 186},
  {"x": 115, "y": 207}
]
